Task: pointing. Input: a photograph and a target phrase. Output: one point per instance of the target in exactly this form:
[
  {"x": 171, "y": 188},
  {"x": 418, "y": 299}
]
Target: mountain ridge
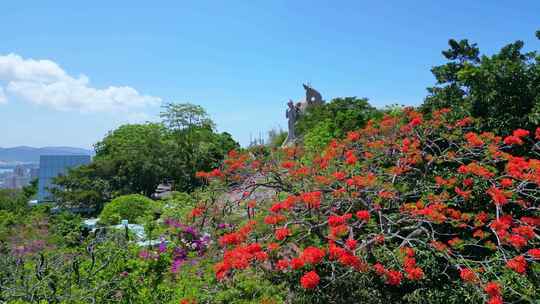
[{"x": 27, "y": 154}]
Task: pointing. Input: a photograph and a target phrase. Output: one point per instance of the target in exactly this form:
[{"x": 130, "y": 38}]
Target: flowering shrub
[{"x": 405, "y": 206}]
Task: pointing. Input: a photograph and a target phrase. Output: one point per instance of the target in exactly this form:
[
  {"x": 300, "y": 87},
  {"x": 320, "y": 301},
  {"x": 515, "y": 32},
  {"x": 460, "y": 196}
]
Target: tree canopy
[
  {"x": 136, "y": 158},
  {"x": 502, "y": 89}
]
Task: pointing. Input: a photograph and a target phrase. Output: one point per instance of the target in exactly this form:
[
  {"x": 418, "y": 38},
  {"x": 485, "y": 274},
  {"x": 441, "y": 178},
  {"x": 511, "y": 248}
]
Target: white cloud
[
  {"x": 3, "y": 98},
  {"x": 44, "y": 82}
]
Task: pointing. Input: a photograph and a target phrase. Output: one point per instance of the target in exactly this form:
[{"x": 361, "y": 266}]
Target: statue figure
[
  {"x": 292, "y": 115},
  {"x": 313, "y": 97},
  {"x": 294, "y": 111}
]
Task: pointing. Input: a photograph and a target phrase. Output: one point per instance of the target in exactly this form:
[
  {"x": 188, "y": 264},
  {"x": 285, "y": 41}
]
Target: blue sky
[{"x": 104, "y": 63}]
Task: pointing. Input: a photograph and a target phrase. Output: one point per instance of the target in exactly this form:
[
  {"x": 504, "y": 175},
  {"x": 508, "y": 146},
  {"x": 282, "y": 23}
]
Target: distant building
[
  {"x": 19, "y": 171},
  {"x": 15, "y": 181},
  {"x": 34, "y": 173},
  {"x": 51, "y": 166}
]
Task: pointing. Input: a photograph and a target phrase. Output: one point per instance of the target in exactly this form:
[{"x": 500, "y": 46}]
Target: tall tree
[
  {"x": 503, "y": 89},
  {"x": 133, "y": 156}
]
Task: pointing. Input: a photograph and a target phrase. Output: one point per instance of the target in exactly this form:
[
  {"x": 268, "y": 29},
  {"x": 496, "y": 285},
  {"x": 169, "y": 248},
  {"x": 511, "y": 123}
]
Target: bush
[
  {"x": 340, "y": 114},
  {"x": 406, "y": 209},
  {"x": 128, "y": 207}
]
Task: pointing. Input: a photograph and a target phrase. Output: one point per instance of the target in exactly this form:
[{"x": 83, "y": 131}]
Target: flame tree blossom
[{"x": 387, "y": 201}]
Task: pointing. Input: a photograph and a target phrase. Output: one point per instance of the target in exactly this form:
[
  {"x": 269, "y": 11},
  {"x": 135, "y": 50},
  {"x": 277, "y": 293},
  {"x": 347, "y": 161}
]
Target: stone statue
[
  {"x": 291, "y": 114},
  {"x": 294, "y": 111},
  {"x": 313, "y": 97}
]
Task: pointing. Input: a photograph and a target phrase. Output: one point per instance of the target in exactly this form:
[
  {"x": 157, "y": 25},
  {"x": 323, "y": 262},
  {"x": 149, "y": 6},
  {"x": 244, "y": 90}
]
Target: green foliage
[
  {"x": 85, "y": 186},
  {"x": 276, "y": 137},
  {"x": 191, "y": 150},
  {"x": 178, "y": 205},
  {"x": 318, "y": 137},
  {"x": 129, "y": 207},
  {"x": 250, "y": 289},
  {"x": 66, "y": 229},
  {"x": 137, "y": 158},
  {"x": 503, "y": 89},
  {"x": 333, "y": 120},
  {"x": 13, "y": 200},
  {"x": 30, "y": 190},
  {"x": 131, "y": 157},
  {"x": 180, "y": 116},
  {"x": 343, "y": 115}
]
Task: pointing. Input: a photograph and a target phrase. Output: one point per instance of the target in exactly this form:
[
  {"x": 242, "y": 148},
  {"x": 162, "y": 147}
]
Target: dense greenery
[
  {"x": 401, "y": 205},
  {"x": 333, "y": 119},
  {"x": 502, "y": 89},
  {"x": 128, "y": 207},
  {"x": 136, "y": 158}
]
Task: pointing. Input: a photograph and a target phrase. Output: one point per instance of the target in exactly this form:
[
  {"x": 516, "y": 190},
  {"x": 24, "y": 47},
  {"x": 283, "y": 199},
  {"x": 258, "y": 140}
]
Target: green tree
[
  {"x": 84, "y": 187},
  {"x": 136, "y": 158},
  {"x": 192, "y": 144},
  {"x": 503, "y": 90},
  {"x": 334, "y": 119},
  {"x": 131, "y": 157},
  {"x": 179, "y": 116},
  {"x": 129, "y": 207}
]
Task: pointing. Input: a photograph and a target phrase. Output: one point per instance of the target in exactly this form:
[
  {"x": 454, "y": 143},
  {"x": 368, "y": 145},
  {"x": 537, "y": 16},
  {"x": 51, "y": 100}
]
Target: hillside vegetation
[{"x": 435, "y": 204}]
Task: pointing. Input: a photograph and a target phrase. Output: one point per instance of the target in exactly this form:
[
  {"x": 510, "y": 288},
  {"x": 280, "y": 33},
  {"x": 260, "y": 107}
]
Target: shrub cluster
[{"x": 405, "y": 209}]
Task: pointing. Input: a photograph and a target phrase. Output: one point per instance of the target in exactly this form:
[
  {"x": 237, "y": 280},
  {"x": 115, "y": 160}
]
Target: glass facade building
[{"x": 51, "y": 166}]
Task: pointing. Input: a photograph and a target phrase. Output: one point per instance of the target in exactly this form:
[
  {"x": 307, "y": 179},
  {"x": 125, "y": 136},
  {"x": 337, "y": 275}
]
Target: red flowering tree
[{"x": 404, "y": 209}]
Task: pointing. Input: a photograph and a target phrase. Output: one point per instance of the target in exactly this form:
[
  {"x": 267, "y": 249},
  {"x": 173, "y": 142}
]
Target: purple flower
[
  {"x": 191, "y": 230},
  {"x": 144, "y": 254},
  {"x": 162, "y": 247},
  {"x": 175, "y": 266}
]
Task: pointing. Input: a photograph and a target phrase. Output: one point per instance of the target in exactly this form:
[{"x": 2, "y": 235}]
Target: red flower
[
  {"x": 274, "y": 219},
  {"x": 312, "y": 255},
  {"x": 336, "y": 220},
  {"x": 517, "y": 241},
  {"x": 415, "y": 121},
  {"x": 498, "y": 196},
  {"x": 310, "y": 280},
  {"x": 415, "y": 273},
  {"x": 282, "y": 264},
  {"x": 393, "y": 277},
  {"x": 261, "y": 256},
  {"x": 351, "y": 244},
  {"x": 312, "y": 199},
  {"x": 297, "y": 263},
  {"x": 520, "y": 133},
  {"x": 196, "y": 212},
  {"x": 506, "y": 182},
  {"x": 282, "y": 233},
  {"x": 231, "y": 239},
  {"x": 350, "y": 158},
  {"x": 379, "y": 269},
  {"x": 363, "y": 215},
  {"x": 468, "y": 275},
  {"x": 493, "y": 289},
  {"x": 495, "y": 300},
  {"x": 339, "y": 175},
  {"x": 353, "y": 136},
  {"x": 473, "y": 139},
  {"x": 525, "y": 231},
  {"x": 513, "y": 140},
  {"x": 517, "y": 264},
  {"x": 273, "y": 246},
  {"x": 534, "y": 253}
]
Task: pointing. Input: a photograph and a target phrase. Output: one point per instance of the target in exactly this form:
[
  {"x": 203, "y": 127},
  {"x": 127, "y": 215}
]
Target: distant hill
[{"x": 31, "y": 155}]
